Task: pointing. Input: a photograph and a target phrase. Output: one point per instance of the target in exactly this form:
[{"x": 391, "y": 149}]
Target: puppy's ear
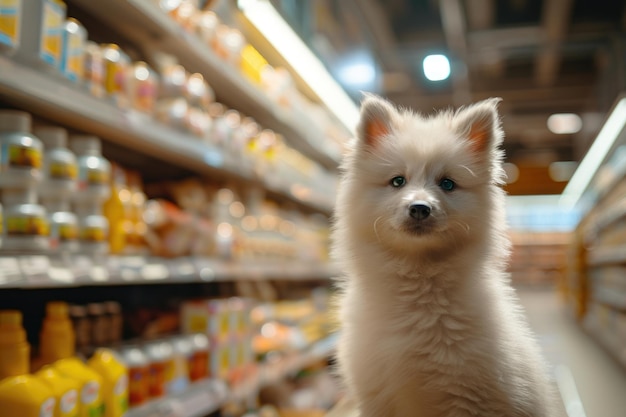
[
  {"x": 378, "y": 119},
  {"x": 480, "y": 124}
]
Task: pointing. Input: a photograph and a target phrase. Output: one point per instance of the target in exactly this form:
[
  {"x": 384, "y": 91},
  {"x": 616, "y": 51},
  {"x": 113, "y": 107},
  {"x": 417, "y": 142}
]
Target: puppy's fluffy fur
[{"x": 430, "y": 324}]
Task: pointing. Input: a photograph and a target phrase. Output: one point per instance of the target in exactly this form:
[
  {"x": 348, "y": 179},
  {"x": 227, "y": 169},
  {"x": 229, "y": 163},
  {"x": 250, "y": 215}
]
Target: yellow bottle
[
  {"x": 57, "y": 338},
  {"x": 21, "y": 395},
  {"x": 57, "y": 348},
  {"x": 115, "y": 381},
  {"x": 65, "y": 391},
  {"x": 91, "y": 401},
  {"x": 117, "y": 211}
]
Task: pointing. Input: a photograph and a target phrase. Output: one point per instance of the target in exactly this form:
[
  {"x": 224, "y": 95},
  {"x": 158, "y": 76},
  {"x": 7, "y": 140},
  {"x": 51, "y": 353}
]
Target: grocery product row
[
  {"x": 98, "y": 360},
  {"x": 60, "y": 197},
  {"x": 164, "y": 90}
]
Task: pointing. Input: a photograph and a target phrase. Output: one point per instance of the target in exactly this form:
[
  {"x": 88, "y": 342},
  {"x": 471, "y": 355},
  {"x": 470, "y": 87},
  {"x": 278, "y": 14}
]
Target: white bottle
[
  {"x": 60, "y": 168},
  {"x": 25, "y": 224},
  {"x": 63, "y": 223},
  {"x": 20, "y": 151},
  {"x": 94, "y": 171}
]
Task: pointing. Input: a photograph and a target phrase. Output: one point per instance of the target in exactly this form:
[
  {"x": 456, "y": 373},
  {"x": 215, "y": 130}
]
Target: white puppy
[{"x": 430, "y": 324}]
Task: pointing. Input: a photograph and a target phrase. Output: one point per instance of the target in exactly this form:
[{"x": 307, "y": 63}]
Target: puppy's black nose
[{"x": 419, "y": 210}]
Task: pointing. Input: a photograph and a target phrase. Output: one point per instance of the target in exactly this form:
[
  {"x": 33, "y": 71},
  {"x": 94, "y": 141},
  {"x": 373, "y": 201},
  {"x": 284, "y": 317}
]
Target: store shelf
[
  {"x": 207, "y": 396},
  {"x": 609, "y": 340},
  {"x": 65, "y": 103},
  {"x": 610, "y": 255},
  {"x": 42, "y": 271},
  {"x": 611, "y": 297},
  {"x": 200, "y": 399},
  {"x": 142, "y": 22}
]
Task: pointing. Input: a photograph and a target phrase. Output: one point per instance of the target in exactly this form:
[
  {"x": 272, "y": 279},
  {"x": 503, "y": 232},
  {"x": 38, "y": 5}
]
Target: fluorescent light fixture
[
  {"x": 357, "y": 72},
  {"x": 436, "y": 67},
  {"x": 262, "y": 15},
  {"x": 596, "y": 155},
  {"x": 565, "y": 123}
]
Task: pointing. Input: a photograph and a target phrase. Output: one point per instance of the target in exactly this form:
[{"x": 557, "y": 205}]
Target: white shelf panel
[
  {"x": 61, "y": 101},
  {"x": 141, "y": 21},
  {"x": 42, "y": 271}
]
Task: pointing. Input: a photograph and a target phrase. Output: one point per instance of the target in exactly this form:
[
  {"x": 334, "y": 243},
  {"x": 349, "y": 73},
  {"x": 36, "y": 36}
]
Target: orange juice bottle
[
  {"x": 115, "y": 381},
  {"x": 57, "y": 348},
  {"x": 21, "y": 394}
]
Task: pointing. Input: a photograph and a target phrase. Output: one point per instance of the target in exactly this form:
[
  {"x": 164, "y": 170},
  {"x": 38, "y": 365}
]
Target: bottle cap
[
  {"x": 57, "y": 309},
  {"x": 15, "y": 121},
  {"x": 52, "y": 136},
  {"x": 83, "y": 144}
]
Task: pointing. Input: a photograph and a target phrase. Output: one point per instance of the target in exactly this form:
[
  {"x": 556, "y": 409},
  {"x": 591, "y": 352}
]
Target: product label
[
  {"x": 198, "y": 323},
  {"x": 198, "y": 365},
  {"x": 121, "y": 385},
  {"x": 73, "y": 62},
  {"x": 69, "y": 403},
  {"x": 92, "y": 177},
  {"x": 93, "y": 234},
  {"x": 90, "y": 393},
  {"x": 52, "y": 31},
  {"x": 10, "y": 22},
  {"x": 157, "y": 379},
  {"x": 27, "y": 226},
  {"x": 17, "y": 156},
  {"x": 138, "y": 385},
  {"x": 62, "y": 171},
  {"x": 67, "y": 232},
  {"x": 47, "y": 408}
]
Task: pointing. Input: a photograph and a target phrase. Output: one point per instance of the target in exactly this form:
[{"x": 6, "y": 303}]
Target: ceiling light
[
  {"x": 596, "y": 155},
  {"x": 565, "y": 123},
  {"x": 512, "y": 172},
  {"x": 436, "y": 67},
  {"x": 357, "y": 71},
  {"x": 266, "y": 19}
]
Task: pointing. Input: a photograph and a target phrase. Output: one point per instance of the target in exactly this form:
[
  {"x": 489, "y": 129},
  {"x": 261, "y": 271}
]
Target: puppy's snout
[{"x": 419, "y": 210}]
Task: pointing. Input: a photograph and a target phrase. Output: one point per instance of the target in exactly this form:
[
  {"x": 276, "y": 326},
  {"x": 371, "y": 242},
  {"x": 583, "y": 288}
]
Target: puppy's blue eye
[
  {"x": 397, "y": 182},
  {"x": 447, "y": 184}
]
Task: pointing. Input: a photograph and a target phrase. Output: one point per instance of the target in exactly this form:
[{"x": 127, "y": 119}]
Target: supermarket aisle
[{"x": 582, "y": 365}]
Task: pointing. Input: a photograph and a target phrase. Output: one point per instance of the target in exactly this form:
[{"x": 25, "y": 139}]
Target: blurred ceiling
[{"x": 541, "y": 57}]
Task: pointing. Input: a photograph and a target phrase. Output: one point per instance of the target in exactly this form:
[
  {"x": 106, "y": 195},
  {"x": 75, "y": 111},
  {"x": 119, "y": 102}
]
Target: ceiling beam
[
  {"x": 555, "y": 19},
  {"x": 453, "y": 20},
  {"x": 480, "y": 14}
]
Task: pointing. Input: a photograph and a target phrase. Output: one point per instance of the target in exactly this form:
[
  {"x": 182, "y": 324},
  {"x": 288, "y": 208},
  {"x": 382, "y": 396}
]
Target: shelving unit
[
  {"x": 148, "y": 26},
  {"x": 93, "y": 278},
  {"x": 207, "y": 396},
  {"x": 596, "y": 284},
  {"x": 58, "y": 100}
]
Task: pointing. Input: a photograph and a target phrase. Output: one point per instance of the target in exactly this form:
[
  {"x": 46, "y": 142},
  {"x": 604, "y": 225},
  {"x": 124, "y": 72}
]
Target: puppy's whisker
[
  {"x": 375, "y": 227},
  {"x": 469, "y": 170}
]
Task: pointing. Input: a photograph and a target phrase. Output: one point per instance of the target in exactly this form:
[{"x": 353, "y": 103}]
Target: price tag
[
  {"x": 59, "y": 271},
  {"x": 35, "y": 269},
  {"x": 81, "y": 267},
  {"x": 131, "y": 267},
  {"x": 182, "y": 269},
  {"x": 9, "y": 270},
  {"x": 154, "y": 272}
]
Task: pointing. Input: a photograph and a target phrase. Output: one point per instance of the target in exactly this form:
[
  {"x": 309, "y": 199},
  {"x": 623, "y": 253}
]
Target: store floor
[{"x": 591, "y": 382}]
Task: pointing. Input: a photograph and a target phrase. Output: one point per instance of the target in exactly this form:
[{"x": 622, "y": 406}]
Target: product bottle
[
  {"x": 25, "y": 222},
  {"x": 20, "y": 152},
  {"x": 65, "y": 391},
  {"x": 73, "y": 51},
  {"x": 57, "y": 348},
  {"x": 21, "y": 394},
  {"x": 115, "y": 381},
  {"x": 57, "y": 338},
  {"x": 60, "y": 168},
  {"x": 63, "y": 226},
  {"x": 117, "y": 210}
]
